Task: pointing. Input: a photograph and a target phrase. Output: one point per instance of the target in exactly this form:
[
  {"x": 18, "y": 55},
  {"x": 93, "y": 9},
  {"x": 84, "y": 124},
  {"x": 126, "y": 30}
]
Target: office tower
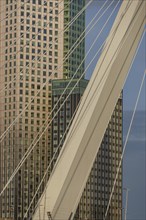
[
  {"x": 29, "y": 57},
  {"x": 72, "y": 35},
  {"x": 32, "y": 48},
  {"x": 64, "y": 117},
  {"x": 96, "y": 194}
]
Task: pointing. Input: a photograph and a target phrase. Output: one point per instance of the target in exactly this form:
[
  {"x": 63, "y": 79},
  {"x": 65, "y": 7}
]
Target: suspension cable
[{"x": 31, "y": 148}]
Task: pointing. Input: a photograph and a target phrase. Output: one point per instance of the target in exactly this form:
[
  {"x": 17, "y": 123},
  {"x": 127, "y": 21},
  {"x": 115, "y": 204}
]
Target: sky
[{"x": 134, "y": 161}]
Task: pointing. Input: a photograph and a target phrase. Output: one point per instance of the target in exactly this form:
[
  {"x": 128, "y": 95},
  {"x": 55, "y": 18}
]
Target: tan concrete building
[
  {"x": 5, "y": 218},
  {"x": 32, "y": 47},
  {"x": 31, "y": 52}
]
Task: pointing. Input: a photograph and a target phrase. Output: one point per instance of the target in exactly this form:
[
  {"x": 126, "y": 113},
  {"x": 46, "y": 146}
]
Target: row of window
[
  {"x": 40, "y": 9},
  {"x": 39, "y": 2},
  {"x": 23, "y": 13},
  {"x": 11, "y": 21}
]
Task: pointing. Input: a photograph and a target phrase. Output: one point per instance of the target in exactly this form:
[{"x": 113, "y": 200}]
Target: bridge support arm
[{"x": 81, "y": 146}]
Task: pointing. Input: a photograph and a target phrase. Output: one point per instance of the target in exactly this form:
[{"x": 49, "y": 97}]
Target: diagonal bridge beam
[{"x": 81, "y": 146}]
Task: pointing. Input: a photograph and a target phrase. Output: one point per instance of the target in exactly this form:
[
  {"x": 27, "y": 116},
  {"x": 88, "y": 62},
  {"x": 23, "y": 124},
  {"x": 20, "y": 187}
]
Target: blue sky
[
  {"x": 134, "y": 162},
  {"x": 134, "y": 166}
]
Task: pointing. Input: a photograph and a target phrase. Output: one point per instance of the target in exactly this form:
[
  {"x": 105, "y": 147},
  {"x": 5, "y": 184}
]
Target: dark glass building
[{"x": 97, "y": 192}]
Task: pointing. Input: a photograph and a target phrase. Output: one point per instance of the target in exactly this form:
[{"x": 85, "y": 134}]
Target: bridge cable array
[
  {"x": 122, "y": 43},
  {"x": 50, "y": 164},
  {"x": 64, "y": 134},
  {"x": 6, "y": 131},
  {"x": 112, "y": 36},
  {"x": 129, "y": 27},
  {"x": 65, "y": 30},
  {"x": 24, "y": 157},
  {"x": 70, "y": 52}
]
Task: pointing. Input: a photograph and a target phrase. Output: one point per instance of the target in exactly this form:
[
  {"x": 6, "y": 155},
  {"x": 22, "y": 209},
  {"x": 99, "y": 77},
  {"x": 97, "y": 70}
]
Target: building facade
[
  {"x": 30, "y": 56},
  {"x": 67, "y": 104},
  {"x": 33, "y": 45},
  {"x": 97, "y": 192},
  {"x": 96, "y": 195}
]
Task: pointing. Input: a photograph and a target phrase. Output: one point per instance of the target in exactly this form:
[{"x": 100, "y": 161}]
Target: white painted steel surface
[{"x": 74, "y": 164}]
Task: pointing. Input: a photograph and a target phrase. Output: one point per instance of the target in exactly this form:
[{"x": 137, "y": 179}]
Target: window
[
  {"x": 45, "y": 31},
  {"x": 34, "y": 8},
  {"x": 39, "y": 37},
  {"x": 51, "y": 4}
]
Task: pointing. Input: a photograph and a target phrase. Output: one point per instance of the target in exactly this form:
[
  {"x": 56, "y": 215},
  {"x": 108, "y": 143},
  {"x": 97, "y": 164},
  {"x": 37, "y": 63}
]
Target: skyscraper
[
  {"x": 62, "y": 120},
  {"x": 96, "y": 195},
  {"x": 32, "y": 48},
  {"x": 29, "y": 56},
  {"x": 97, "y": 192}
]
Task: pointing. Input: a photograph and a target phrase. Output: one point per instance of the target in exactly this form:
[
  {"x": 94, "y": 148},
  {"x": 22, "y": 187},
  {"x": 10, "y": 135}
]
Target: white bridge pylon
[{"x": 81, "y": 146}]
